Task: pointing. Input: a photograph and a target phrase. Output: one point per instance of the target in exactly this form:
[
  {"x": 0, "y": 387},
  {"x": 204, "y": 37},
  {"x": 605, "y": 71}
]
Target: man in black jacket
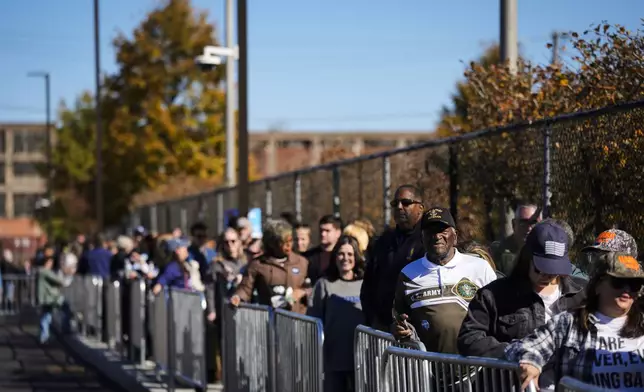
[
  {"x": 320, "y": 257},
  {"x": 395, "y": 249}
]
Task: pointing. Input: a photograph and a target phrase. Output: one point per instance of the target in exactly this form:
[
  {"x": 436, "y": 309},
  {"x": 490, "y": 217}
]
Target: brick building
[
  {"x": 22, "y": 148},
  {"x": 279, "y": 152}
]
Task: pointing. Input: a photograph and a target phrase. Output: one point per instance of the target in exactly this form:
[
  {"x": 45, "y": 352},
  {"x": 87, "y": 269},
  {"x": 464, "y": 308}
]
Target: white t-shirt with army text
[
  {"x": 436, "y": 297},
  {"x": 619, "y": 362}
]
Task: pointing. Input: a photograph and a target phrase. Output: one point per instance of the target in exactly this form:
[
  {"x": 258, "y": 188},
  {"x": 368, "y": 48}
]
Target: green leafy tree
[{"x": 162, "y": 115}]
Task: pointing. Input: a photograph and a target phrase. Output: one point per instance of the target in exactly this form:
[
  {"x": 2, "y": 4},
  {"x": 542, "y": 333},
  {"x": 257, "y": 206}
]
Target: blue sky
[{"x": 329, "y": 65}]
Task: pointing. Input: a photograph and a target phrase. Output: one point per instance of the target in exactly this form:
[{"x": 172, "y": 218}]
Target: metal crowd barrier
[
  {"x": 247, "y": 348},
  {"x": 84, "y": 296},
  {"x": 369, "y": 347},
  {"x": 17, "y": 292},
  {"x": 113, "y": 317},
  {"x": 405, "y": 370},
  {"x": 299, "y": 362},
  {"x": 187, "y": 334},
  {"x": 158, "y": 316},
  {"x": 569, "y": 384},
  {"x": 136, "y": 327},
  {"x": 178, "y": 331}
]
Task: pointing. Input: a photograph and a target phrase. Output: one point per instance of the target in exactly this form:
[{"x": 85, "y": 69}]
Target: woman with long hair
[
  {"x": 601, "y": 343},
  {"x": 539, "y": 287},
  {"x": 336, "y": 300}
]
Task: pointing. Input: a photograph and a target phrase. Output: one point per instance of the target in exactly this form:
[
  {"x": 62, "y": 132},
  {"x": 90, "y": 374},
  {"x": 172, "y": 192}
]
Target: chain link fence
[{"x": 586, "y": 168}]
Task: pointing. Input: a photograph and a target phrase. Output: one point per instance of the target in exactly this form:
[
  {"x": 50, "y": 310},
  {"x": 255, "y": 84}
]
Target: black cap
[
  {"x": 437, "y": 215},
  {"x": 549, "y": 245}
]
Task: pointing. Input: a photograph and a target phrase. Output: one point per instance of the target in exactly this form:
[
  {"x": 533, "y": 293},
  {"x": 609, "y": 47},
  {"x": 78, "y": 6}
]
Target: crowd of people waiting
[{"x": 522, "y": 299}]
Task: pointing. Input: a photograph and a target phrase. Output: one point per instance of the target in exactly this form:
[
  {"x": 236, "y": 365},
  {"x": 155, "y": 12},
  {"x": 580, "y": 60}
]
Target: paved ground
[{"x": 26, "y": 366}]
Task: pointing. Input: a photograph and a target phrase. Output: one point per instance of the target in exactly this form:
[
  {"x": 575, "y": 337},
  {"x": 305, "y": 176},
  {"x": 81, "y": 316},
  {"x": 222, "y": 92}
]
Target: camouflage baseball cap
[
  {"x": 614, "y": 240},
  {"x": 619, "y": 265}
]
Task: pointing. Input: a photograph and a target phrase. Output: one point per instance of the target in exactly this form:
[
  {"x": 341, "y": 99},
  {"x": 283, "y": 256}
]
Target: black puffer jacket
[
  {"x": 387, "y": 257},
  {"x": 507, "y": 309}
]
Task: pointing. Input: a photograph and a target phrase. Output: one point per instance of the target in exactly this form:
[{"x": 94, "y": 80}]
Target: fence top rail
[
  {"x": 374, "y": 332},
  {"x": 244, "y": 305},
  {"x": 17, "y": 277},
  {"x": 185, "y": 291},
  {"x": 518, "y": 127},
  {"x": 297, "y": 316},
  {"x": 451, "y": 358}
]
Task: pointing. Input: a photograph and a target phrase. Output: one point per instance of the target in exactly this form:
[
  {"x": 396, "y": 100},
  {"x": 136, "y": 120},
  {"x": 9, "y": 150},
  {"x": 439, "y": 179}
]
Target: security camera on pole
[{"x": 211, "y": 57}]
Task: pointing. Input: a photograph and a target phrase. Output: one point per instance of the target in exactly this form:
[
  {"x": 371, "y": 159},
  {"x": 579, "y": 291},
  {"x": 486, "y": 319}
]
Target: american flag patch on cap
[{"x": 555, "y": 248}]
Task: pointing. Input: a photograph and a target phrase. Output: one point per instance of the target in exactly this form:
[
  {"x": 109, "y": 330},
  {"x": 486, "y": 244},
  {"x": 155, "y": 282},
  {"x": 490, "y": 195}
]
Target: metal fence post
[
  {"x": 269, "y": 200},
  {"x": 360, "y": 191},
  {"x": 172, "y": 368},
  {"x": 547, "y": 133},
  {"x": 386, "y": 189},
  {"x": 154, "y": 221},
  {"x": 220, "y": 212},
  {"x": 168, "y": 218},
  {"x": 183, "y": 215},
  {"x": 297, "y": 188},
  {"x": 453, "y": 181},
  {"x": 202, "y": 209},
  {"x": 336, "y": 191}
]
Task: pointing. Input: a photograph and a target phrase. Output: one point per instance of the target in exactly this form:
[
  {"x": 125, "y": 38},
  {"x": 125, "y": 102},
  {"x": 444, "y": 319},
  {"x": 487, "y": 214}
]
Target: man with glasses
[
  {"x": 395, "y": 248},
  {"x": 504, "y": 251}
]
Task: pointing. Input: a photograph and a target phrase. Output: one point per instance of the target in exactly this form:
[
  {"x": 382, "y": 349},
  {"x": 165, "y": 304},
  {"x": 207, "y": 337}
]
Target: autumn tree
[
  {"x": 161, "y": 114},
  {"x": 605, "y": 68},
  {"x": 73, "y": 161}
]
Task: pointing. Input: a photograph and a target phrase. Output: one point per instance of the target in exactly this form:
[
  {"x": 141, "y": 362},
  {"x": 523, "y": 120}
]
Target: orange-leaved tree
[{"x": 162, "y": 115}]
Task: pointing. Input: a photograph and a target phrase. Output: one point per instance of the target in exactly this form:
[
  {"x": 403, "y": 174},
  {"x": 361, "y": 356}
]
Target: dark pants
[{"x": 343, "y": 381}]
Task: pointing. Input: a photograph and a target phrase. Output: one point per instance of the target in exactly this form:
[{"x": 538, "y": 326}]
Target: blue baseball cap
[
  {"x": 174, "y": 244},
  {"x": 548, "y": 243}
]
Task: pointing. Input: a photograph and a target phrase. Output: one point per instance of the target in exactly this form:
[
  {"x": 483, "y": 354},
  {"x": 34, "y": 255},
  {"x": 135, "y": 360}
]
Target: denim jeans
[{"x": 46, "y": 318}]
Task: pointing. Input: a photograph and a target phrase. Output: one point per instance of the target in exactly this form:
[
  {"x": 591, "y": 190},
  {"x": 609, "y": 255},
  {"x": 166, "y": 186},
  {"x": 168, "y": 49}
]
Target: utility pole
[
  {"x": 48, "y": 153},
  {"x": 557, "y": 37},
  {"x": 231, "y": 135},
  {"x": 555, "y": 48},
  {"x": 509, "y": 33},
  {"x": 509, "y": 48},
  {"x": 243, "y": 187},
  {"x": 99, "y": 128}
]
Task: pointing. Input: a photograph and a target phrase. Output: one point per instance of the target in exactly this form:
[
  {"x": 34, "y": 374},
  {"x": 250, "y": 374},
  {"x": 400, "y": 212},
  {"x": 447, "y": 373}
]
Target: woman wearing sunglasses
[{"x": 601, "y": 343}]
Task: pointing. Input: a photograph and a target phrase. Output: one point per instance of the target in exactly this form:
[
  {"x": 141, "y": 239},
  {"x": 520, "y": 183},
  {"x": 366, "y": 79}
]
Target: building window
[
  {"x": 25, "y": 169},
  {"x": 3, "y": 136},
  {"x": 3, "y": 197},
  {"x": 24, "y": 204},
  {"x": 28, "y": 141},
  {"x": 2, "y": 166}
]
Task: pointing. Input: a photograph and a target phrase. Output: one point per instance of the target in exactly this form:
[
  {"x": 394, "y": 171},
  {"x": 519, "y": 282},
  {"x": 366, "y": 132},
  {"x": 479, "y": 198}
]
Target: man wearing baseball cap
[
  {"x": 612, "y": 240},
  {"x": 434, "y": 292}
]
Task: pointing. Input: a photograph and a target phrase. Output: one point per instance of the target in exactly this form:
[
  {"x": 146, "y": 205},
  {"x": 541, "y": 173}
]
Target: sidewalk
[
  {"x": 27, "y": 366},
  {"x": 128, "y": 376}
]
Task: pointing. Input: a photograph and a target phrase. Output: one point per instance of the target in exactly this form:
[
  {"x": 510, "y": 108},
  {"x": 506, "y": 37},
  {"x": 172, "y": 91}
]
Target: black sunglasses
[
  {"x": 404, "y": 202},
  {"x": 632, "y": 285}
]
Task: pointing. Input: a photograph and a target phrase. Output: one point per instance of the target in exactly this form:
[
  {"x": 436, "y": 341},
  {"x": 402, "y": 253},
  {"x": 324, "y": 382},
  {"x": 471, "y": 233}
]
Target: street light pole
[
  {"x": 48, "y": 151},
  {"x": 231, "y": 162},
  {"x": 242, "y": 156},
  {"x": 99, "y": 129}
]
